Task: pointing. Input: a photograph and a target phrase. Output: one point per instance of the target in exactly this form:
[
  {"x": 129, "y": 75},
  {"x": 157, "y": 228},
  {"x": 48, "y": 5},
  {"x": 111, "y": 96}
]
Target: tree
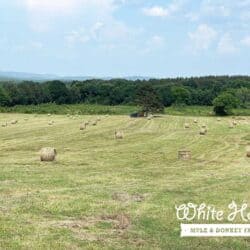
[
  {"x": 243, "y": 94},
  {"x": 224, "y": 103},
  {"x": 181, "y": 95},
  {"x": 4, "y": 99},
  {"x": 58, "y": 92},
  {"x": 148, "y": 99}
]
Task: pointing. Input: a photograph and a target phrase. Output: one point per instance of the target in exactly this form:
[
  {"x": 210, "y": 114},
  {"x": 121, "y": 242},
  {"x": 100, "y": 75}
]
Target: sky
[{"x": 115, "y": 38}]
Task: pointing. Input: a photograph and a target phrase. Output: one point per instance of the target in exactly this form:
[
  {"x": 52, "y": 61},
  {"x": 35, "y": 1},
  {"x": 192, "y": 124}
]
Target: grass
[
  {"x": 70, "y": 204},
  {"x": 91, "y": 109}
]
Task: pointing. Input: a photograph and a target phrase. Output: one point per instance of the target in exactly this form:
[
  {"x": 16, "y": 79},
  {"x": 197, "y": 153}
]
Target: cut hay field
[{"x": 103, "y": 193}]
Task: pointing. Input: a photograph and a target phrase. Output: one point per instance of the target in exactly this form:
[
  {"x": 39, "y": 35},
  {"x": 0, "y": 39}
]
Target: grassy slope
[
  {"x": 68, "y": 204},
  {"x": 91, "y": 109}
]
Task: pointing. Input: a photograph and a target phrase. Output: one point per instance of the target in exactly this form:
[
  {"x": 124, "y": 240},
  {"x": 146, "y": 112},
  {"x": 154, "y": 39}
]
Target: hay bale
[
  {"x": 203, "y": 131},
  {"x": 218, "y": 119},
  {"x": 94, "y": 123},
  {"x": 4, "y": 125},
  {"x": 48, "y": 154},
  {"x": 235, "y": 123},
  {"x": 98, "y": 119},
  {"x": 248, "y": 152},
  {"x": 82, "y": 126},
  {"x": 186, "y": 125},
  {"x": 13, "y": 122},
  {"x": 50, "y": 123},
  {"x": 195, "y": 121},
  {"x": 184, "y": 155},
  {"x": 26, "y": 119},
  {"x": 119, "y": 135},
  {"x": 231, "y": 126},
  {"x": 49, "y": 114},
  {"x": 204, "y": 125}
]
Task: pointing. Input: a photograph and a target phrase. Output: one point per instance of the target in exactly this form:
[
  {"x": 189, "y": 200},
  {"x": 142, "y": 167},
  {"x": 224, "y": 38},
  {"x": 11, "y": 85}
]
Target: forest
[{"x": 188, "y": 91}]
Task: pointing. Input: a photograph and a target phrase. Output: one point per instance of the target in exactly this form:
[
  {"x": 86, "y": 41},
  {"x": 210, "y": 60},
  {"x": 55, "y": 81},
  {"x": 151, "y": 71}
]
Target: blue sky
[{"x": 125, "y": 37}]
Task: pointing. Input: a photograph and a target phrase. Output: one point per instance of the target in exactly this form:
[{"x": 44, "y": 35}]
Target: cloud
[
  {"x": 226, "y": 45},
  {"x": 160, "y": 11},
  {"x": 156, "y": 11},
  {"x": 44, "y": 13},
  {"x": 246, "y": 41},
  {"x": 209, "y": 7},
  {"x": 203, "y": 37}
]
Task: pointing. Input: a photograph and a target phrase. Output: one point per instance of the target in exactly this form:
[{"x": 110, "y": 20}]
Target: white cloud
[
  {"x": 203, "y": 37},
  {"x": 160, "y": 11},
  {"x": 209, "y": 7},
  {"x": 156, "y": 11},
  {"x": 246, "y": 41},
  {"x": 226, "y": 45}
]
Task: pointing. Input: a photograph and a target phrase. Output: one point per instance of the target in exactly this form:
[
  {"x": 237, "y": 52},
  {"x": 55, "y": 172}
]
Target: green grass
[
  {"x": 91, "y": 109},
  {"x": 69, "y": 204}
]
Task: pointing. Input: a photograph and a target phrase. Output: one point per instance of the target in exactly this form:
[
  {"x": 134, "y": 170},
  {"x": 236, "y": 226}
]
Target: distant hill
[{"x": 20, "y": 76}]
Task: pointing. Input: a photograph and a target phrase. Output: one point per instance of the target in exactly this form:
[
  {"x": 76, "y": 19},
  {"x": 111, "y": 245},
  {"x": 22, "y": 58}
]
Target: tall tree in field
[
  {"x": 149, "y": 100},
  {"x": 224, "y": 103}
]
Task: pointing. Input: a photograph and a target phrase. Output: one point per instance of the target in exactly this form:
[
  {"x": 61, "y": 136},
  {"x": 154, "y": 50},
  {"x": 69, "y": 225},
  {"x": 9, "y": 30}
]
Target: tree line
[{"x": 178, "y": 91}]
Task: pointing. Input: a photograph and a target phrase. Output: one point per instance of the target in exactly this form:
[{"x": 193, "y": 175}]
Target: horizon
[{"x": 119, "y": 38}]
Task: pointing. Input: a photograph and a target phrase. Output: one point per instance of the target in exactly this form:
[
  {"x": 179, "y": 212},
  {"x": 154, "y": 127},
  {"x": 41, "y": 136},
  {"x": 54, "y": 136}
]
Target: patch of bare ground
[{"x": 81, "y": 228}]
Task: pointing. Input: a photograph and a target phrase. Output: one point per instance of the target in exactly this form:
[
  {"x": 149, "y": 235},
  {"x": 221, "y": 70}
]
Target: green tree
[
  {"x": 243, "y": 94},
  {"x": 181, "y": 95},
  {"x": 224, "y": 103},
  {"x": 4, "y": 99},
  {"x": 148, "y": 99}
]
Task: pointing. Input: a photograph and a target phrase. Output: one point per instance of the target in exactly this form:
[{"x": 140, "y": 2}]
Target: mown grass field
[{"x": 103, "y": 193}]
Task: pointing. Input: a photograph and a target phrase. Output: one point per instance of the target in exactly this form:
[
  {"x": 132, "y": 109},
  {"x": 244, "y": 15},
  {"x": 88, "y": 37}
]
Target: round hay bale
[
  {"x": 48, "y": 154},
  {"x": 13, "y": 122},
  {"x": 94, "y": 123},
  {"x": 235, "y": 123},
  {"x": 119, "y": 135},
  {"x": 82, "y": 126},
  {"x": 26, "y": 119},
  {"x": 186, "y": 125},
  {"x": 203, "y": 131},
  {"x": 218, "y": 119},
  {"x": 248, "y": 152},
  {"x": 195, "y": 121},
  {"x": 49, "y": 114},
  {"x": 98, "y": 119},
  {"x": 231, "y": 126},
  {"x": 184, "y": 155},
  {"x": 4, "y": 125},
  {"x": 50, "y": 123},
  {"x": 204, "y": 125}
]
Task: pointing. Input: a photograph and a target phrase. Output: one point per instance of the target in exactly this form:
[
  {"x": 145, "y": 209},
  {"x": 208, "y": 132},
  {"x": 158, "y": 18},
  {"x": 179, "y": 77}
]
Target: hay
[
  {"x": 186, "y": 125},
  {"x": 98, "y": 119},
  {"x": 204, "y": 125},
  {"x": 248, "y": 153},
  {"x": 231, "y": 126},
  {"x": 82, "y": 126},
  {"x": 218, "y": 119},
  {"x": 203, "y": 131},
  {"x": 94, "y": 123},
  {"x": 48, "y": 154},
  {"x": 13, "y": 122},
  {"x": 119, "y": 135},
  {"x": 184, "y": 155},
  {"x": 4, "y": 125},
  {"x": 195, "y": 121},
  {"x": 50, "y": 123},
  {"x": 235, "y": 123}
]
